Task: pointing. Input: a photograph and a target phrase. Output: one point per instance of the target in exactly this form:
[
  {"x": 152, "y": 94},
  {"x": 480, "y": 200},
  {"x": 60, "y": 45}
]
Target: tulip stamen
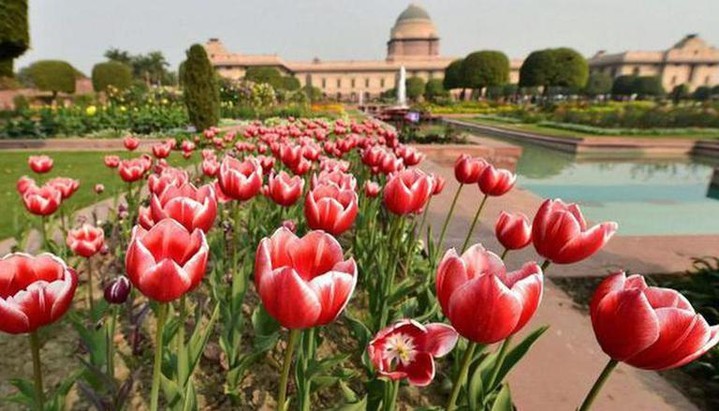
[{"x": 400, "y": 348}]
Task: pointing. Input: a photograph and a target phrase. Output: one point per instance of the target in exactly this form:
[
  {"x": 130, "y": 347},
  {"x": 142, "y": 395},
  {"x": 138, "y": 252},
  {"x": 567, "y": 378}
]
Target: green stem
[
  {"x": 449, "y": 217},
  {"x": 111, "y": 344},
  {"x": 474, "y": 223},
  {"x": 395, "y": 249},
  {"x": 498, "y": 363},
  {"x": 545, "y": 264},
  {"x": 287, "y": 362},
  {"x": 309, "y": 352},
  {"x": 157, "y": 365},
  {"x": 90, "y": 302},
  {"x": 463, "y": 371},
  {"x": 43, "y": 229},
  {"x": 592, "y": 395},
  {"x": 37, "y": 370},
  {"x": 504, "y": 253},
  {"x": 181, "y": 363},
  {"x": 390, "y": 402}
]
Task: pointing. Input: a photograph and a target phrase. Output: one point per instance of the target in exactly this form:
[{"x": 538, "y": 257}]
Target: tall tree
[
  {"x": 434, "y": 90},
  {"x": 111, "y": 73},
  {"x": 14, "y": 33},
  {"x": 598, "y": 84},
  {"x": 415, "y": 87},
  {"x": 201, "y": 91},
  {"x": 485, "y": 68}
]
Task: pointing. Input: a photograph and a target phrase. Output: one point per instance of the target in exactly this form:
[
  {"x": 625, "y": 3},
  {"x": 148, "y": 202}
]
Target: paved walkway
[{"x": 561, "y": 367}]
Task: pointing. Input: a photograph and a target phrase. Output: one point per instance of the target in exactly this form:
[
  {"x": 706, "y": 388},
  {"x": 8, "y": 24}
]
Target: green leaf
[
  {"x": 503, "y": 401},
  {"x": 198, "y": 342},
  {"x": 354, "y": 406}
]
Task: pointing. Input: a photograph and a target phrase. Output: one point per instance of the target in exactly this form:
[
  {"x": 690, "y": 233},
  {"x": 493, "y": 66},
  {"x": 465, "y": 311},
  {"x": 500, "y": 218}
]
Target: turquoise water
[{"x": 646, "y": 197}]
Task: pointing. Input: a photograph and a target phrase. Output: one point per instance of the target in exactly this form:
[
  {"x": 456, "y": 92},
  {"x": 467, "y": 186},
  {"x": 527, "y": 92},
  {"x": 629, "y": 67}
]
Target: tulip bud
[
  {"x": 290, "y": 225},
  {"x": 99, "y": 188},
  {"x": 118, "y": 290}
]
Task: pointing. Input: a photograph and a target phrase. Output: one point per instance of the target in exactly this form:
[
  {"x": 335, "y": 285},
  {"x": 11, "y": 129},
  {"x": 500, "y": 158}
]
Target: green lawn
[
  {"x": 556, "y": 132},
  {"x": 88, "y": 167}
]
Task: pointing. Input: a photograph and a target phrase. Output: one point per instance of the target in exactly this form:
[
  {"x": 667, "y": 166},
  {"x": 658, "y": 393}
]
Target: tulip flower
[
  {"x": 42, "y": 201},
  {"x": 283, "y": 189},
  {"x": 650, "y": 328},
  {"x": 467, "y": 169},
  {"x": 86, "y": 241},
  {"x": 330, "y": 208},
  {"x": 34, "y": 292},
  {"x": 407, "y": 192},
  {"x": 162, "y": 150},
  {"x": 303, "y": 282},
  {"x": 340, "y": 179},
  {"x": 484, "y": 302},
  {"x": 513, "y": 230},
  {"x": 407, "y": 349},
  {"x": 371, "y": 189},
  {"x": 190, "y": 206},
  {"x": 166, "y": 261},
  {"x": 169, "y": 177},
  {"x": 23, "y": 183},
  {"x": 560, "y": 233},
  {"x": 438, "y": 183},
  {"x": 66, "y": 186},
  {"x": 112, "y": 161},
  {"x": 132, "y": 170},
  {"x": 40, "y": 164},
  {"x": 99, "y": 188},
  {"x": 210, "y": 167},
  {"x": 495, "y": 181},
  {"x": 240, "y": 180},
  {"x": 131, "y": 143},
  {"x": 118, "y": 290}
]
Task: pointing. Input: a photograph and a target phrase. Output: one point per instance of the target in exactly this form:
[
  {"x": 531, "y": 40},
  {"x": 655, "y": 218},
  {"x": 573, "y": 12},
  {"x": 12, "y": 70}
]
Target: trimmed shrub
[
  {"x": 14, "y": 32},
  {"x": 111, "y": 73},
  {"x": 485, "y": 68},
  {"x": 201, "y": 91},
  {"x": 453, "y": 75},
  {"x": 415, "y": 87},
  {"x": 54, "y": 76}
]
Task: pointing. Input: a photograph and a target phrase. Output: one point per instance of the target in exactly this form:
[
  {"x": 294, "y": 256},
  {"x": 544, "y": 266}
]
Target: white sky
[{"x": 79, "y": 31}]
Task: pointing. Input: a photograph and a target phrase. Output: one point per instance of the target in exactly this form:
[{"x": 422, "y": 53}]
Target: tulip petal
[
  {"x": 484, "y": 310},
  {"x": 164, "y": 282},
  {"x": 682, "y": 337},
  {"x": 314, "y": 254},
  {"x": 585, "y": 244},
  {"x": 667, "y": 298},
  {"x": 528, "y": 289},
  {"x": 420, "y": 370},
  {"x": 625, "y": 324},
  {"x": 288, "y": 299},
  {"x": 439, "y": 339},
  {"x": 451, "y": 274},
  {"x": 333, "y": 290}
]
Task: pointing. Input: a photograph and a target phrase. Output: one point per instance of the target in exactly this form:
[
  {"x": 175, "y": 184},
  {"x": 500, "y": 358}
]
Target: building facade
[
  {"x": 691, "y": 61},
  {"x": 413, "y": 43}
]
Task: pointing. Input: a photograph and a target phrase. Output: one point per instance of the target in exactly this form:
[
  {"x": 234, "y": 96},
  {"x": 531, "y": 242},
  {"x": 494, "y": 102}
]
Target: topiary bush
[
  {"x": 111, "y": 73},
  {"x": 201, "y": 91},
  {"x": 14, "y": 32},
  {"x": 54, "y": 76}
]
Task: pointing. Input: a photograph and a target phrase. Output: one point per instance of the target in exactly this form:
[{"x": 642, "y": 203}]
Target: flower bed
[{"x": 297, "y": 251}]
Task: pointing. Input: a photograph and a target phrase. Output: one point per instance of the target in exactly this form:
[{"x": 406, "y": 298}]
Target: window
[
  {"x": 707, "y": 80},
  {"x": 381, "y": 83},
  {"x": 635, "y": 71},
  {"x": 674, "y": 80},
  {"x": 339, "y": 82},
  {"x": 339, "y": 95},
  {"x": 352, "y": 83},
  {"x": 324, "y": 83},
  {"x": 366, "y": 83}
]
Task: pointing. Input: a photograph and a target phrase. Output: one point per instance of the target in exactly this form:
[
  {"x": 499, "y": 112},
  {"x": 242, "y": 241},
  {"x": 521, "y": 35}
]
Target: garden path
[{"x": 561, "y": 367}]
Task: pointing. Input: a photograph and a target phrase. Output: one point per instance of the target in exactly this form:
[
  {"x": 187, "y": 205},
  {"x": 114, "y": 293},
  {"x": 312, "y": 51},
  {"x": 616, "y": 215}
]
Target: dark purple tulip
[{"x": 118, "y": 290}]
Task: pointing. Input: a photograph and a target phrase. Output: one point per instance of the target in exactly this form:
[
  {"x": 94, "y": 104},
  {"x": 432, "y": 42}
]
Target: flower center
[{"x": 400, "y": 348}]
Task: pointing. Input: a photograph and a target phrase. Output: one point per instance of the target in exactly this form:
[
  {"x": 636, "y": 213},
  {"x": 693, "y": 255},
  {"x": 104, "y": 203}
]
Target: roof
[{"x": 413, "y": 12}]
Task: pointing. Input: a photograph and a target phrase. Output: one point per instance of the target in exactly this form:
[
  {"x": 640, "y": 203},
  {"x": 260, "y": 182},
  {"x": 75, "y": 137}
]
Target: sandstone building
[
  {"x": 691, "y": 61},
  {"x": 414, "y": 44}
]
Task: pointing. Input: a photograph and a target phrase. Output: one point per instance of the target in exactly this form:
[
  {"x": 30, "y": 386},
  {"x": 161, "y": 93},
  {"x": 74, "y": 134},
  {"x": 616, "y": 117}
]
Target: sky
[{"x": 79, "y": 31}]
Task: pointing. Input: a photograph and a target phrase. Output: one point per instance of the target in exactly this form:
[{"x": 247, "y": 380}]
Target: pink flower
[
  {"x": 303, "y": 282},
  {"x": 560, "y": 233},
  {"x": 513, "y": 230},
  {"x": 496, "y": 181},
  {"x": 484, "y": 302},
  {"x": 40, "y": 164},
  {"x": 407, "y": 349}
]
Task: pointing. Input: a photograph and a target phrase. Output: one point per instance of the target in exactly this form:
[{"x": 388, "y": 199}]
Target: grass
[
  {"x": 548, "y": 130},
  {"x": 86, "y": 166}
]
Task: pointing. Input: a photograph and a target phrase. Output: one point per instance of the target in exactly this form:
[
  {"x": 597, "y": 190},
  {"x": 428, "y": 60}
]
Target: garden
[{"x": 294, "y": 268}]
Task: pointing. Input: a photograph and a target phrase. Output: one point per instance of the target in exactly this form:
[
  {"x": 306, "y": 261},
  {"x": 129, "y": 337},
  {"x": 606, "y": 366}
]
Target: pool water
[{"x": 646, "y": 197}]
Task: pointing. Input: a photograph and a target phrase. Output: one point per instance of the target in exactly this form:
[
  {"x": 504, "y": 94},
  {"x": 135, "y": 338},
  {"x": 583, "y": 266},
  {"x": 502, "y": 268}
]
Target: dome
[
  {"x": 413, "y": 11},
  {"x": 413, "y": 23}
]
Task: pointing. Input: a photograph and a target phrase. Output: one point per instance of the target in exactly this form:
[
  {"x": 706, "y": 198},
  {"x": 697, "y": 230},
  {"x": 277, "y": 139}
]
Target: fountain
[{"x": 402, "y": 88}]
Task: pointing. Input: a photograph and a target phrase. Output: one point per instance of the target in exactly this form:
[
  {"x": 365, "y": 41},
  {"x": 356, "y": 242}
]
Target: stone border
[{"x": 602, "y": 146}]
